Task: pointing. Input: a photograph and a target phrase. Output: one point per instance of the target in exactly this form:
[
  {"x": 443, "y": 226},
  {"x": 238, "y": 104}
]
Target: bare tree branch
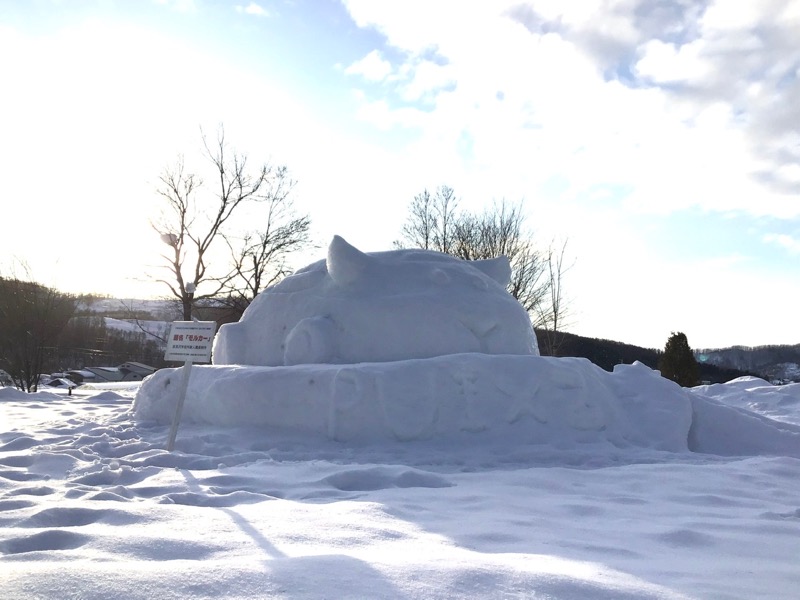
[
  {"x": 196, "y": 216},
  {"x": 553, "y": 311},
  {"x": 536, "y": 277}
]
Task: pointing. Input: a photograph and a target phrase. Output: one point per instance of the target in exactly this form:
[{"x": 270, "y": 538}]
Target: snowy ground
[{"x": 92, "y": 506}]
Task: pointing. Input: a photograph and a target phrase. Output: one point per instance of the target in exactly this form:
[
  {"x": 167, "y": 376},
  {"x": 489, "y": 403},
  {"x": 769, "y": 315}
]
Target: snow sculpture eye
[
  {"x": 440, "y": 277},
  {"x": 479, "y": 283}
]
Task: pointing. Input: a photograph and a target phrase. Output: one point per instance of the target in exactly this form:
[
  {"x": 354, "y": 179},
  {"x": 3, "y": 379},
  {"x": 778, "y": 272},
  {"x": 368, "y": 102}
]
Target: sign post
[{"x": 189, "y": 341}]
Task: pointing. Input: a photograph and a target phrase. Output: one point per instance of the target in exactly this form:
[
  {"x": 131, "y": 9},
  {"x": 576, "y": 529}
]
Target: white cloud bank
[
  {"x": 372, "y": 67},
  {"x": 253, "y": 9},
  {"x": 683, "y": 106},
  {"x": 596, "y": 112}
]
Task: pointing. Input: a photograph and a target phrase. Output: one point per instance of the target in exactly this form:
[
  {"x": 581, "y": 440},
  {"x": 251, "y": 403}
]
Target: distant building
[
  {"x": 128, "y": 371},
  {"x": 135, "y": 371}
]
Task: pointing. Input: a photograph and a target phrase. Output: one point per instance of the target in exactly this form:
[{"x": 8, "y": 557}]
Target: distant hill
[
  {"x": 128, "y": 308},
  {"x": 607, "y": 353},
  {"x": 773, "y": 363}
]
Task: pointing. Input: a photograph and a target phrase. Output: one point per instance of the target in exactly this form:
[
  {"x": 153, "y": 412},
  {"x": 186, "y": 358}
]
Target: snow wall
[
  {"x": 411, "y": 345},
  {"x": 562, "y": 402}
]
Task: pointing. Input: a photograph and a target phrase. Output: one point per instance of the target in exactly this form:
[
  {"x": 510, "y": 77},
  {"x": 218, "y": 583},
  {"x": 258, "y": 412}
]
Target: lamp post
[
  {"x": 187, "y": 293},
  {"x": 190, "y": 290}
]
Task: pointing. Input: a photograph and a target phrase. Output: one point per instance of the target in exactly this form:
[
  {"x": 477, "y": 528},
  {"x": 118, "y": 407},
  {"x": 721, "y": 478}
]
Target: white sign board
[{"x": 190, "y": 341}]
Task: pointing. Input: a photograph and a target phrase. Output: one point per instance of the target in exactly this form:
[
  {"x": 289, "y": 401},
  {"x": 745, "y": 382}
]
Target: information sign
[{"x": 191, "y": 340}]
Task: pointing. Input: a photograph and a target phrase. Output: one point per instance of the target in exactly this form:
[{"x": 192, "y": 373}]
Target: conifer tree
[{"x": 678, "y": 362}]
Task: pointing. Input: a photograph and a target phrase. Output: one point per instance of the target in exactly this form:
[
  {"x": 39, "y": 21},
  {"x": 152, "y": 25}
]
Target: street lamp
[
  {"x": 171, "y": 240},
  {"x": 190, "y": 289}
]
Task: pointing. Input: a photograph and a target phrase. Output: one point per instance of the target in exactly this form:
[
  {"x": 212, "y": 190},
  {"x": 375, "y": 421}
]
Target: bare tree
[
  {"x": 528, "y": 283},
  {"x": 501, "y": 231},
  {"x": 261, "y": 260},
  {"x": 31, "y": 318},
  {"x": 536, "y": 276},
  {"x": 553, "y": 309},
  {"x": 196, "y": 216},
  {"x": 431, "y": 222}
]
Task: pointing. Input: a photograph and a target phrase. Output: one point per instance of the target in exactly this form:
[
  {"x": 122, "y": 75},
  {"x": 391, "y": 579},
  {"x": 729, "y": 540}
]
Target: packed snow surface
[
  {"x": 434, "y": 459},
  {"x": 92, "y": 505}
]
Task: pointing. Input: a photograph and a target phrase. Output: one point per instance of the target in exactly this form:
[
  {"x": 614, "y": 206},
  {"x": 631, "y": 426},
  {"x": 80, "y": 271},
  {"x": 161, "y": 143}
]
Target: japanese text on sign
[{"x": 190, "y": 341}]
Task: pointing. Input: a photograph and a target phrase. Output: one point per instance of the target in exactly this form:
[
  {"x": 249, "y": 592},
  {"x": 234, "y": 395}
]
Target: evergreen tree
[{"x": 678, "y": 362}]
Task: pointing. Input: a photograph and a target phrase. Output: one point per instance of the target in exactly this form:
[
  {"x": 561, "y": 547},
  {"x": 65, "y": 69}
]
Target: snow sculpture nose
[{"x": 485, "y": 329}]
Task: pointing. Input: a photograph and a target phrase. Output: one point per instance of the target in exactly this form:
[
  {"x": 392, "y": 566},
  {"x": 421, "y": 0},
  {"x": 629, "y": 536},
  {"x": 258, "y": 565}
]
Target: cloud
[
  {"x": 182, "y": 6},
  {"x": 425, "y": 79},
  {"x": 668, "y": 63},
  {"x": 373, "y": 67},
  {"x": 741, "y": 55},
  {"x": 681, "y": 104},
  {"x": 787, "y": 242},
  {"x": 252, "y": 9},
  {"x": 605, "y": 116}
]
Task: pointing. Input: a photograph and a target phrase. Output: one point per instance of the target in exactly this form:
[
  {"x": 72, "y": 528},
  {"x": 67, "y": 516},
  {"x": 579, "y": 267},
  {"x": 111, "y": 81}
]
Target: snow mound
[
  {"x": 412, "y": 345},
  {"x": 777, "y": 402},
  {"x": 356, "y": 307},
  {"x": 746, "y": 382},
  {"x": 108, "y": 396},
  {"x": 12, "y": 394},
  {"x": 526, "y": 398},
  {"x": 562, "y": 402}
]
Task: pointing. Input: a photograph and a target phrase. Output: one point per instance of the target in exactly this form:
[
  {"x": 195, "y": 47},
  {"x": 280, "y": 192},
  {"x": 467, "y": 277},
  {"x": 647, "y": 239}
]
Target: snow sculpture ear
[
  {"x": 498, "y": 269},
  {"x": 345, "y": 263}
]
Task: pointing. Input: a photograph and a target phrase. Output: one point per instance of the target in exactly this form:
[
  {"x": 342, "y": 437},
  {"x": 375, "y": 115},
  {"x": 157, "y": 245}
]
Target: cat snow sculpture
[{"x": 375, "y": 307}]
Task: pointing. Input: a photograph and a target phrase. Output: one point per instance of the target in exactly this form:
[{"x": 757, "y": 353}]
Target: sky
[{"x": 660, "y": 140}]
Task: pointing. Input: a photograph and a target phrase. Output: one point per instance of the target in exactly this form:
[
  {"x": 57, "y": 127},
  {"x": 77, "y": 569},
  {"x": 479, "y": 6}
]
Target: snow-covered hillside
[
  {"x": 774, "y": 363},
  {"x": 156, "y": 330}
]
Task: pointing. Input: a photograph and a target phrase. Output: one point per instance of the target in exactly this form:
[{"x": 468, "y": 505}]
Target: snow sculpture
[
  {"x": 414, "y": 345},
  {"x": 359, "y": 307}
]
